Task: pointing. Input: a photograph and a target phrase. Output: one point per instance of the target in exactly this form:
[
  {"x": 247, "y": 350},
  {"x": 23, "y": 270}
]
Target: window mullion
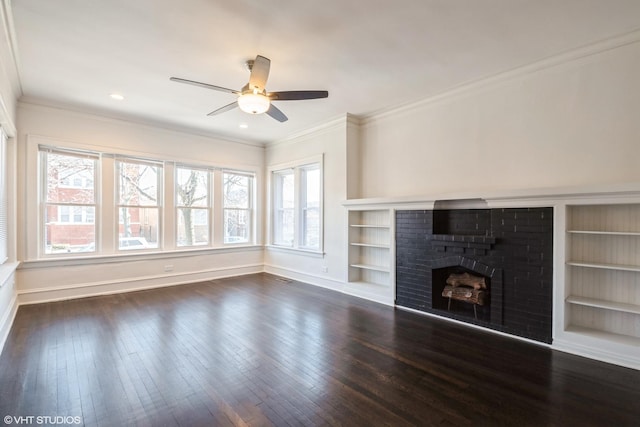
[{"x": 297, "y": 206}]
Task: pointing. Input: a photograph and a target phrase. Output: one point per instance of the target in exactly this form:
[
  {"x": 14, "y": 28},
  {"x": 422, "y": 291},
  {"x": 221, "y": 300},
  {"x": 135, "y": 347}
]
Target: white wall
[
  {"x": 44, "y": 280},
  {"x": 9, "y": 93},
  {"x": 331, "y": 142},
  {"x": 572, "y": 123}
]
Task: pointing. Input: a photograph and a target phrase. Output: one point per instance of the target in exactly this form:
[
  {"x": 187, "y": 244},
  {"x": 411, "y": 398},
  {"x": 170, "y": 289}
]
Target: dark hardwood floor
[{"x": 259, "y": 350}]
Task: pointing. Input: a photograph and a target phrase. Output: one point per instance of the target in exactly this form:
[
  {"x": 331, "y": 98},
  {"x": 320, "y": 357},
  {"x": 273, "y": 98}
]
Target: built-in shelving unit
[
  {"x": 603, "y": 273},
  {"x": 371, "y": 253},
  {"x": 596, "y": 259}
]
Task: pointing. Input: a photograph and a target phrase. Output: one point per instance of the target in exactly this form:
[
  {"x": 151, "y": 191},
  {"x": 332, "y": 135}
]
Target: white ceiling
[{"x": 370, "y": 55}]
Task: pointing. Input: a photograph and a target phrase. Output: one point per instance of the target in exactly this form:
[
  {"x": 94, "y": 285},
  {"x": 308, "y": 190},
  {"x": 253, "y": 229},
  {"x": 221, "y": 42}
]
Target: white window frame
[
  {"x": 208, "y": 208},
  {"x": 43, "y": 152},
  {"x": 250, "y": 210},
  {"x": 297, "y": 168},
  {"x": 107, "y": 207},
  {"x": 159, "y": 206}
]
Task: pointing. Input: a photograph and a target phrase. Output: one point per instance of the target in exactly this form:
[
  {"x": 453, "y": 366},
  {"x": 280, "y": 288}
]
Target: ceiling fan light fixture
[{"x": 253, "y": 103}]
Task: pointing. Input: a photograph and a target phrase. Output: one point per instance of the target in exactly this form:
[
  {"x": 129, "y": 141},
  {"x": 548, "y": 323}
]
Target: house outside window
[{"x": 68, "y": 212}]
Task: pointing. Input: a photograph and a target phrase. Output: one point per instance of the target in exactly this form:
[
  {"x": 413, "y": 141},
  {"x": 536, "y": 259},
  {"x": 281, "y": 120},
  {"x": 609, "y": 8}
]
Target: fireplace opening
[{"x": 462, "y": 293}]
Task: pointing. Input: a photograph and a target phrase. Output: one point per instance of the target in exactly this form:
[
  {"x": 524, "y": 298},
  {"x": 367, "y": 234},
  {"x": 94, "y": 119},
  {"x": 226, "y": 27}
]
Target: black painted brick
[{"x": 523, "y": 250}]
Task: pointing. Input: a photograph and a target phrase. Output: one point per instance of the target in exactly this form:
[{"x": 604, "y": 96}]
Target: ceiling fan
[{"x": 253, "y": 98}]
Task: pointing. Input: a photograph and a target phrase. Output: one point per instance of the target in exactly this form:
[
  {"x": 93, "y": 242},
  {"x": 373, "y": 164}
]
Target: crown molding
[
  {"x": 475, "y": 86},
  {"x": 29, "y": 102},
  {"x": 320, "y": 129}
]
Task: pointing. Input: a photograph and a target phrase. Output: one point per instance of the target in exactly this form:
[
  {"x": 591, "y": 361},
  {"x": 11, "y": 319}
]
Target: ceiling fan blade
[
  {"x": 259, "y": 73},
  {"x": 274, "y": 112},
  {"x": 224, "y": 109},
  {"x": 204, "y": 85},
  {"x": 297, "y": 95}
]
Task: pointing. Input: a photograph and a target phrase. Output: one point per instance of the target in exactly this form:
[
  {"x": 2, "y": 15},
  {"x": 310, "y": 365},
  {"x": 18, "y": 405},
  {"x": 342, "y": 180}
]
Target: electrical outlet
[{"x": 325, "y": 269}]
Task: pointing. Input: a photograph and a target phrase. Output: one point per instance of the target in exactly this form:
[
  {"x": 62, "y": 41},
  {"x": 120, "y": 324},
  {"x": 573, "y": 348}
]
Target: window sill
[
  {"x": 129, "y": 256},
  {"x": 298, "y": 251}
]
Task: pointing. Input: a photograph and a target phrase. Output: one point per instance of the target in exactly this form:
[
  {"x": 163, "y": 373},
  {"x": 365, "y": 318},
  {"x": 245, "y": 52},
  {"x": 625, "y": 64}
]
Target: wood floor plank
[{"x": 257, "y": 350}]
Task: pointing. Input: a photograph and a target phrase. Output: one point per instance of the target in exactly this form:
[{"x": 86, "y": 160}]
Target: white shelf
[
  {"x": 607, "y": 305},
  {"x": 369, "y": 226},
  {"x": 604, "y": 266},
  {"x": 370, "y": 245},
  {"x": 605, "y": 233},
  {"x": 371, "y": 267},
  {"x": 602, "y": 335},
  {"x": 364, "y": 283}
]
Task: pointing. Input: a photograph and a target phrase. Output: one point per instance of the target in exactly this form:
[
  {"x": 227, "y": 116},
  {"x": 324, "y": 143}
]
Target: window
[
  {"x": 101, "y": 204},
  {"x": 237, "y": 207},
  {"x": 297, "y": 206},
  {"x": 68, "y": 212},
  {"x": 4, "y": 237},
  {"x": 139, "y": 190},
  {"x": 310, "y": 206},
  {"x": 192, "y": 206},
  {"x": 283, "y": 208}
]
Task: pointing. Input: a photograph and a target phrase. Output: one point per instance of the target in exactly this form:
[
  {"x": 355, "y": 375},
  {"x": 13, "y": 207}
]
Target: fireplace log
[
  {"x": 466, "y": 294},
  {"x": 466, "y": 279}
]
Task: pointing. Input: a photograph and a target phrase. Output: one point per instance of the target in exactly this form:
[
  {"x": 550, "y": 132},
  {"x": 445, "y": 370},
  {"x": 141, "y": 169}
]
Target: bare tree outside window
[
  {"x": 193, "y": 207},
  {"x": 237, "y": 207},
  {"x": 138, "y": 204}
]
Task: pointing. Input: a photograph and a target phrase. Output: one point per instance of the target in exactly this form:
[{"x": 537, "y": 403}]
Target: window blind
[{"x": 4, "y": 238}]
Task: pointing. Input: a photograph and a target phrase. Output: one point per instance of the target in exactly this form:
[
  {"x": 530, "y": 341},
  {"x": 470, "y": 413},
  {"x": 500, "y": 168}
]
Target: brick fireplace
[{"x": 511, "y": 249}]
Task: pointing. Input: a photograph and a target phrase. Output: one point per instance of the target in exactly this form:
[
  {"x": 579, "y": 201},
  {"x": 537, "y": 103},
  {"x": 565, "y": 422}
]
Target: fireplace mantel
[{"x": 503, "y": 198}]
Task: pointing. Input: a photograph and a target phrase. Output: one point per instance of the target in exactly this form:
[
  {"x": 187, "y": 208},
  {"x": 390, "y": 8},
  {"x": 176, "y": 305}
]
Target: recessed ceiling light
[
  {"x": 243, "y": 126},
  {"x": 117, "y": 96}
]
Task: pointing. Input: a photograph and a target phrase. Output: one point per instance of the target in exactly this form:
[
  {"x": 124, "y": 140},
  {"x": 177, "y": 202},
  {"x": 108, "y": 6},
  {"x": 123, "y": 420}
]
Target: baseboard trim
[
  {"x": 84, "y": 290},
  {"x": 596, "y": 353},
  {"x": 323, "y": 282},
  {"x": 312, "y": 279}
]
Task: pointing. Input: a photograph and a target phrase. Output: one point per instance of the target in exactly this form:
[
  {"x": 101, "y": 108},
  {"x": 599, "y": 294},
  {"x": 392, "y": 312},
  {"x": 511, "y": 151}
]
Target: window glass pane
[
  {"x": 310, "y": 178},
  {"x": 138, "y": 184},
  {"x": 236, "y": 225},
  {"x": 62, "y": 235},
  {"x": 193, "y": 226},
  {"x": 237, "y": 207},
  {"x": 287, "y": 192},
  {"x": 192, "y": 200},
  {"x": 192, "y": 187},
  {"x": 69, "y": 217},
  {"x": 285, "y": 227},
  {"x": 64, "y": 170},
  {"x": 236, "y": 191},
  {"x": 138, "y": 228},
  {"x": 311, "y": 224},
  {"x": 284, "y": 199}
]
